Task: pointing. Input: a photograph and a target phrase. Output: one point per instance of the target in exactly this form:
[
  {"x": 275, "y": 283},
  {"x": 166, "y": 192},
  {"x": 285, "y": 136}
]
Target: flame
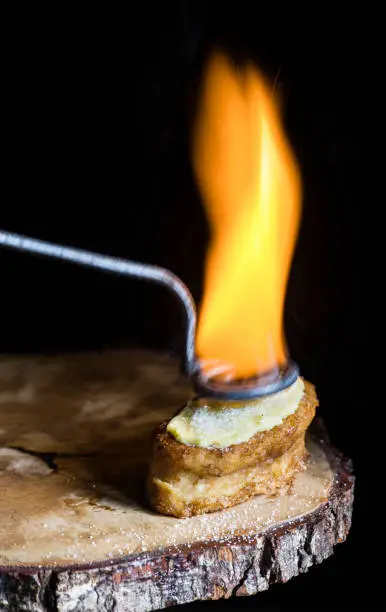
[{"x": 251, "y": 189}]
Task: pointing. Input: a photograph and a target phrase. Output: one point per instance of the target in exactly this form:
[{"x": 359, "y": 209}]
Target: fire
[{"x": 251, "y": 187}]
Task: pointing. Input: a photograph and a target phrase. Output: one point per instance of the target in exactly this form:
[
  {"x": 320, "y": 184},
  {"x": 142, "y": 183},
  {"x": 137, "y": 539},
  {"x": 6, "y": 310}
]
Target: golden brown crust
[
  {"x": 171, "y": 457},
  {"x": 187, "y": 495}
]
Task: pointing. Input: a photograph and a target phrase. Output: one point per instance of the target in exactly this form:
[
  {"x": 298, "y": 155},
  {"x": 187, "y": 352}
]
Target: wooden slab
[{"x": 76, "y": 532}]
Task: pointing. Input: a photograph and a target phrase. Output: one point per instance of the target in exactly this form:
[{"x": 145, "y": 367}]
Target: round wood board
[{"x": 76, "y": 532}]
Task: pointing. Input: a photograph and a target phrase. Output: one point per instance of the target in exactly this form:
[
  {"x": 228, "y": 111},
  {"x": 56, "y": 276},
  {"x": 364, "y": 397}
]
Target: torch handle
[{"x": 116, "y": 265}]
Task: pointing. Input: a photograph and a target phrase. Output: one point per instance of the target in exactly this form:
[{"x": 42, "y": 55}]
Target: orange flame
[{"x": 251, "y": 188}]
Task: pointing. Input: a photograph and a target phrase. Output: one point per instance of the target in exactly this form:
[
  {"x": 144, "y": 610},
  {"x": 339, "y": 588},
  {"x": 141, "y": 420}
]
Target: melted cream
[{"x": 219, "y": 425}]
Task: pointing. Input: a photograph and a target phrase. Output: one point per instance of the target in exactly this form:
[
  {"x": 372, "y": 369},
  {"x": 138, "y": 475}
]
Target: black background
[{"x": 96, "y": 155}]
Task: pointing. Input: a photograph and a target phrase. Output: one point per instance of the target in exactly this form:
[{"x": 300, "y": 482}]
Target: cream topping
[{"x": 215, "y": 425}]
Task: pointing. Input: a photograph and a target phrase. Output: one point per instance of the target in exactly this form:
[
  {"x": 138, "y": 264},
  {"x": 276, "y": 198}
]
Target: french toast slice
[
  {"x": 171, "y": 456},
  {"x": 186, "y": 494}
]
